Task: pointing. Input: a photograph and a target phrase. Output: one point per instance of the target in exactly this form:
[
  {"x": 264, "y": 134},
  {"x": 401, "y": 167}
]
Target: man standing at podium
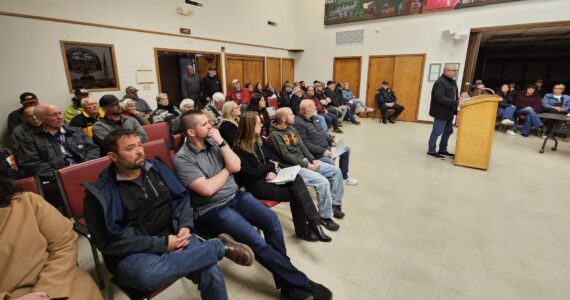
[{"x": 443, "y": 106}]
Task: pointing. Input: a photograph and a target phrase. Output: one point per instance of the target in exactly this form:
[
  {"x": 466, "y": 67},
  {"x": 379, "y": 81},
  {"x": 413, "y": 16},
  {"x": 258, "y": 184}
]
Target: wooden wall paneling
[
  {"x": 274, "y": 71},
  {"x": 347, "y": 69},
  {"x": 380, "y": 68},
  {"x": 288, "y": 69},
  {"x": 253, "y": 71},
  {"x": 407, "y": 83},
  {"x": 234, "y": 70}
]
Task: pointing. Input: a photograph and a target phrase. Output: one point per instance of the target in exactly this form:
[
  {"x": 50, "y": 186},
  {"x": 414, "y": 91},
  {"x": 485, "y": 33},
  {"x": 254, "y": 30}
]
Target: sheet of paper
[
  {"x": 339, "y": 149},
  {"x": 286, "y": 175}
]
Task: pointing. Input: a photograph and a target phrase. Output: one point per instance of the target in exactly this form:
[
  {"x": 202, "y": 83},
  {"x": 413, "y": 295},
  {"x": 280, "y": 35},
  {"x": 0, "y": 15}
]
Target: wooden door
[
  {"x": 274, "y": 71},
  {"x": 380, "y": 68},
  {"x": 288, "y": 67},
  {"x": 253, "y": 71},
  {"x": 407, "y": 84},
  {"x": 169, "y": 74},
  {"x": 234, "y": 70},
  {"x": 347, "y": 69}
]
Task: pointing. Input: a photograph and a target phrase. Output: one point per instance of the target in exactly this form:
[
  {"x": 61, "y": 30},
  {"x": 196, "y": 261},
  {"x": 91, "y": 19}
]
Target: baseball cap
[
  {"x": 131, "y": 89},
  {"x": 330, "y": 82},
  {"x": 81, "y": 92},
  {"x": 235, "y": 81},
  {"x": 27, "y": 96},
  {"x": 108, "y": 100}
]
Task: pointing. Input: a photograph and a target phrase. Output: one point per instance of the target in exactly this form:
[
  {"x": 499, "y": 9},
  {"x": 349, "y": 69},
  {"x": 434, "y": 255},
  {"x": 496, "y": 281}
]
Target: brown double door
[
  {"x": 405, "y": 74},
  {"x": 246, "y": 69},
  {"x": 347, "y": 69}
]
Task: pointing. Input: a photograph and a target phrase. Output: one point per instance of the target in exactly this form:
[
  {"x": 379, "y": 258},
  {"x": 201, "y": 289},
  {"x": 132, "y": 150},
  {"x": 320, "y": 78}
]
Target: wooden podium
[{"x": 475, "y": 132}]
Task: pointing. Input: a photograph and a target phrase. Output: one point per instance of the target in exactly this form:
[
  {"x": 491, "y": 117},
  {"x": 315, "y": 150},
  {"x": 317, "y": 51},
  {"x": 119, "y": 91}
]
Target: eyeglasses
[{"x": 452, "y": 70}]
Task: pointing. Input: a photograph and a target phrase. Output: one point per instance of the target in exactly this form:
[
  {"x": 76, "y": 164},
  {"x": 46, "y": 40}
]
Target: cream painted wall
[
  {"x": 31, "y": 60},
  {"x": 407, "y": 35}
]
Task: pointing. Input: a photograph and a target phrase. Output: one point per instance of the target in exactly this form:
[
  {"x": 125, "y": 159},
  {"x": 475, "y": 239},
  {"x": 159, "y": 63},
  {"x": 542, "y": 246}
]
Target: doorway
[
  {"x": 171, "y": 66},
  {"x": 405, "y": 74},
  {"x": 347, "y": 69}
]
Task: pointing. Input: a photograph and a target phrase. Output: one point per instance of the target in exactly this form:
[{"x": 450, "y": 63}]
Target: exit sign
[{"x": 185, "y": 31}]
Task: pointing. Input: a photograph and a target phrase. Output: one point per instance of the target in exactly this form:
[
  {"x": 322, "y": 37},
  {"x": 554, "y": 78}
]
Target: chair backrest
[
  {"x": 158, "y": 148},
  {"x": 157, "y": 131},
  {"x": 178, "y": 141},
  {"x": 70, "y": 179},
  {"x": 29, "y": 184}
]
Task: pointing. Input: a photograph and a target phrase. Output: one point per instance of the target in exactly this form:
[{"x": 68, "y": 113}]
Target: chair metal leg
[
  {"x": 111, "y": 292},
  {"x": 98, "y": 267}
]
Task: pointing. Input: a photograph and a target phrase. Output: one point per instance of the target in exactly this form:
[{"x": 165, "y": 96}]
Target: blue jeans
[
  {"x": 531, "y": 120},
  {"x": 443, "y": 128},
  {"x": 508, "y": 113},
  {"x": 348, "y": 114},
  {"x": 323, "y": 123},
  {"x": 198, "y": 262},
  {"x": 323, "y": 187},
  {"x": 343, "y": 162},
  {"x": 238, "y": 218}
]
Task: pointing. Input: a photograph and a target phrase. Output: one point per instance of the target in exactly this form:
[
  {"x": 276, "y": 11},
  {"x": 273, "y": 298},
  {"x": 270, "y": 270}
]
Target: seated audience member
[
  {"x": 229, "y": 125},
  {"x": 139, "y": 216},
  {"x": 249, "y": 87},
  {"x": 507, "y": 109},
  {"x": 39, "y": 250},
  {"x": 185, "y": 105},
  {"x": 270, "y": 93},
  {"x": 237, "y": 94},
  {"x": 303, "y": 86},
  {"x": 75, "y": 108},
  {"x": 296, "y": 99},
  {"x": 257, "y": 169},
  {"x": 8, "y": 165},
  {"x": 528, "y": 105},
  {"x": 318, "y": 141},
  {"x": 540, "y": 87},
  {"x": 16, "y": 117},
  {"x": 214, "y": 109},
  {"x": 114, "y": 119},
  {"x": 165, "y": 111},
  {"x": 478, "y": 89},
  {"x": 326, "y": 102},
  {"x": 258, "y": 90},
  {"x": 555, "y": 103},
  {"x": 258, "y": 104},
  {"x": 140, "y": 104},
  {"x": 205, "y": 165},
  {"x": 334, "y": 92},
  {"x": 286, "y": 95},
  {"x": 30, "y": 125},
  {"x": 385, "y": 100},
  {"x": 287, "y": 146},
  {"x": 129, "y": 108},
  {"x": 359, "y": 106},
  {"x": 53, "y": 147},
  {"x": 349, "y": 115},
  {"x": 190, "y": 84},
  {"x": 210, "y": 85},
  {"x": 90, "y": 113},
  {"x": 330, "y": 118}
]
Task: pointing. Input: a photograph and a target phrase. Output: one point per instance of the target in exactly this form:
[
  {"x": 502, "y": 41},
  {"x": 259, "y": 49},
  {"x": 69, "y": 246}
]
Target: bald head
[
  {"x": 308, "y": 108},
  {"x": 41, "y": 111},
  {"x": 284, "y": 116},
  {"x": 50, "y": 116}
]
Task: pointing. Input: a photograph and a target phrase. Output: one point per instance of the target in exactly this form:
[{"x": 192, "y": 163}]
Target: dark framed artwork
[
  {"x": 345, "y": 11},
  {"x": 90, "y": 66}
]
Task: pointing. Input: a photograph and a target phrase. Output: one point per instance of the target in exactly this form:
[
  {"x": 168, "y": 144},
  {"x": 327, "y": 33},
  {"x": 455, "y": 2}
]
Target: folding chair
[
  {"x": 158, "y": 149},
  {"x": 134, "y": 294},
  {"x": 69, "y": 180},
  {"x": 30, "y": 184},
  {"x": 157, "y": 131}
]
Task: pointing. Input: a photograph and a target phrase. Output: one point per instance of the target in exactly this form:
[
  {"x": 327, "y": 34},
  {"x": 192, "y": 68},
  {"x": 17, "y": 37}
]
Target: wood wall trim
[
  {"x": 244, "y": 56},
  {"x": 520, "y": 26},
  {"x": 394, "y": 55},
  {"x": 58, "y": 20}
]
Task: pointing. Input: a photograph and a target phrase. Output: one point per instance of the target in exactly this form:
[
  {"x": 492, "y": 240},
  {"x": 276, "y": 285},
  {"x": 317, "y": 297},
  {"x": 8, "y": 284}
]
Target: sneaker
[
  {"x": 337, "y": 212},
  {"x": 239, "y": 253},
  {"x": 391, "y": 120},
  {"x": 544, "y": 136},
  {"x": 369, "y": 109},
  {"x": 356, "y": 117},
  {"x": 295, "y": 293},
  {"x": 507, "y": 122},
  {"x": 435, "y": 155},
  {"x": 329, "y": 224},
  {"x": 351, "y": 181},
  {"x": 511, "y": 132},
  {"x": 446, "y": 154}
]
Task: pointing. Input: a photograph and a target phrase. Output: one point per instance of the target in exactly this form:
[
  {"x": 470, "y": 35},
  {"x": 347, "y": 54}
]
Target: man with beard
[
  {"x": 114, "y": 119},
  {"x": 140, "y": 218}
]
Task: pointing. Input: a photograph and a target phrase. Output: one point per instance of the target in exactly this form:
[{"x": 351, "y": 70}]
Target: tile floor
[{"x": 420, "y": 228}]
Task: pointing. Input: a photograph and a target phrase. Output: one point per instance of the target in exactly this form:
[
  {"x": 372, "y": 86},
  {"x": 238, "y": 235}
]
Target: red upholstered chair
[
  {"x": 135, "y": 294},
  {"x": 157, "y": 131},
  {"x": 273, "y": 103},
  {"x": 69, "y": 180},
  {"x": 269, "y": 203},
  {"x": 29, "y": 184},
  {"x": 178, "y": 140},
  {"x": 158, "y": 148}
]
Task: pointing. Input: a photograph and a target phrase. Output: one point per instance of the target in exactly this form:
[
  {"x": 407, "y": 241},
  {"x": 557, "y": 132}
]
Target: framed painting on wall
[
  {"x": 90, "y": 66},
  {"x": 434, "y": 72}
]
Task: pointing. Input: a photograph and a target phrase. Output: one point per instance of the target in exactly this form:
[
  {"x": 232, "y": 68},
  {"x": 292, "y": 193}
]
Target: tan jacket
[{"x": 38, "y": 252}]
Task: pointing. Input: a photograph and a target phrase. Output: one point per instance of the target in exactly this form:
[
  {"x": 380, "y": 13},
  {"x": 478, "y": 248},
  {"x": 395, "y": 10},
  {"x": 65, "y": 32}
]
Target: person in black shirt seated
[
  {"x": 257, "y": 169},
  {"x": 385, "y": 100},
  {"x": 259, "y": 105},
  {"x": 229, "y": 125}
]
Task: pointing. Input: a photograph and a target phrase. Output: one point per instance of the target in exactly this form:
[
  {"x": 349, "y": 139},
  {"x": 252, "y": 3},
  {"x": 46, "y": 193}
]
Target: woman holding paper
[{"x": 257, "y": 170}]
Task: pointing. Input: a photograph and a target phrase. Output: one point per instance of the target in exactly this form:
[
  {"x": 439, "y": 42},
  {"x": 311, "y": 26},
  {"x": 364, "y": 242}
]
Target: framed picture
[
  {"x": 90, "y": 66},
  {"x": 434, "y": 72},
  {"x": 457, "y": 65}
]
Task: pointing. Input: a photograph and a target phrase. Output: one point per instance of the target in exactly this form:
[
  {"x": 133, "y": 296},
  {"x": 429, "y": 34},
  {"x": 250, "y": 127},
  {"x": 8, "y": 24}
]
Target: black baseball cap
[
  {"x": 81, "y": 92},
  {"x": 385, "y": 82},
  {"x": 108, "y": 100},
  {"x": 27, "y": 96},
  {"x": 330, "y": 82}
]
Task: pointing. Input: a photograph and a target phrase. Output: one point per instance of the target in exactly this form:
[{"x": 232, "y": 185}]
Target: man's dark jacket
[
  {"x": 113, "y": 237},
  {"x": 335, "y": 100},
  {"x": 312, "y": 135},
  {"x": 384, "y": 96},
  {"x": 210, "y": 86},
  {"x": 444, "y": 95},
  {"x": 40, "y": 153}
]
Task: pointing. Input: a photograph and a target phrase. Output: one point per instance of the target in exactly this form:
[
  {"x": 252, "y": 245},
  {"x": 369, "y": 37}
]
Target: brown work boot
[{"x": 239, "y": 253}]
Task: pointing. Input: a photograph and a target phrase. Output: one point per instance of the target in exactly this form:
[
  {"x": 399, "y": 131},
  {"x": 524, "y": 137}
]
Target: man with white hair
[
  {"x": 214, "y": 108},
  {"x": 90, "y": 113},
  {"x": 191, "y": 84},
  {"x": 186, "y": 105}
]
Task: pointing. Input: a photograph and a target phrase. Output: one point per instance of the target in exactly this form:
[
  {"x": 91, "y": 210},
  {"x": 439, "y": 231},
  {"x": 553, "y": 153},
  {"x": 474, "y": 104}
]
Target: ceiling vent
[{"x": 350, "y": 37}]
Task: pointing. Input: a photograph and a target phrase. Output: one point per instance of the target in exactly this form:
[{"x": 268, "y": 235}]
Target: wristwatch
[{"x": 223, "y": 143}]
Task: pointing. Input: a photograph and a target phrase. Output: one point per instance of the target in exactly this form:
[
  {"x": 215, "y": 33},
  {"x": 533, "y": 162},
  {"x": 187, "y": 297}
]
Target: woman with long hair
[
  {"x": 259, "y": 105},
  {"x": 38, "y": 250},
  {"x": 257, "y": 169},
  {"x": 229, "y": 124}
]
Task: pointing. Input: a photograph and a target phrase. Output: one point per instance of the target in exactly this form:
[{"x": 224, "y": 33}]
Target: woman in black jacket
[
  {"x": 258, "y": 104},
  {"x": 257, "y": 169}
]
